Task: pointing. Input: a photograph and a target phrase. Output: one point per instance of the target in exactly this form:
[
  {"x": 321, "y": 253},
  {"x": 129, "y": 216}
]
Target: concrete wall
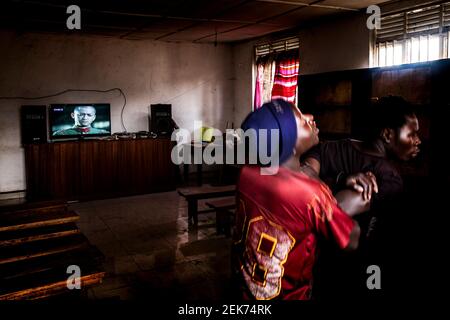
[
  {"x": 244, "y": 80},
  {"x": 338, "y": 44},
  {"x": 341, "y": 44},
  {"x": 201, "y": 81},
  {"x": 195, "y": 78}
]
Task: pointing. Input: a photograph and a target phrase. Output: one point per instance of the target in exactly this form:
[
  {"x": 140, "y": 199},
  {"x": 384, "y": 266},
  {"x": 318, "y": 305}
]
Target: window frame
[{"x": 403, "y": 29}]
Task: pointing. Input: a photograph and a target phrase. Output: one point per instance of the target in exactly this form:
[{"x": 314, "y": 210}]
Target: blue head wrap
[{"x": 276, "y": 114}]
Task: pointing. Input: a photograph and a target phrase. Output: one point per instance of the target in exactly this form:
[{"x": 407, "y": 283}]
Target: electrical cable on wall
[{"x": 77, "y": 90}]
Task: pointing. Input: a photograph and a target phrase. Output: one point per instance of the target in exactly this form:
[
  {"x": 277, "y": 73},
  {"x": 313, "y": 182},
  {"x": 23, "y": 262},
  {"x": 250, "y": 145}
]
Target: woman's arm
[{"x": 352, "y": 202}]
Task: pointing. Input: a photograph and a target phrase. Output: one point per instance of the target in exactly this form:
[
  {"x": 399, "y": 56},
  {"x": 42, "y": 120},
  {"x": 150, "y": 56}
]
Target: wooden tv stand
[{"x": 94, "y": 169}]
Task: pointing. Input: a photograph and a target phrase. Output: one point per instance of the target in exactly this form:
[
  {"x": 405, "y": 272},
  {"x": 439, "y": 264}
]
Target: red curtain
[
  {"x": 285, "y": 82},
  {"x": 276, "y": 77}
]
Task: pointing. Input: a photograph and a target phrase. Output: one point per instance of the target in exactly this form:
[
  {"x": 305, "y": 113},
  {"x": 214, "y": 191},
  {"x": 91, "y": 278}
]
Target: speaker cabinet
[
  {"x": 161, "y": 119},
  {"x": 34, "y": 124}
]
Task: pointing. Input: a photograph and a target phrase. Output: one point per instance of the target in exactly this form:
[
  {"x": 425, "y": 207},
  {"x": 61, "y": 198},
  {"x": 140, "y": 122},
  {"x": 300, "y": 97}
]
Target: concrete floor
[{"x": 150, "y": 253}]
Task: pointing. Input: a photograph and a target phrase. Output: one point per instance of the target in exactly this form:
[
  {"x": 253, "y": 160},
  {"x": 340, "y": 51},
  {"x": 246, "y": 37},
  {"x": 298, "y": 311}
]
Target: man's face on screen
[{"x": 84, "y": 116}]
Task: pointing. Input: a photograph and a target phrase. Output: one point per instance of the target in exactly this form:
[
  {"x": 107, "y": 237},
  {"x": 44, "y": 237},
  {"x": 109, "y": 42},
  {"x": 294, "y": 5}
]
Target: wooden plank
[
  {"x": 35, "y": 231},
  {"x": 27, "y": 221},
  {"x": 80, "y": 256},
  {"x": 44, "y": 276},
  {"x": 207, "y": 192},
  {"x": 226, "y": 203},
  {"x": 50, "y": 289},
  {"x": 37, "y": 206},
  {"x": 38, "y": 237},
  {"x": 47, "y": 293},
  {"x": 41, "y": 254},
  {"x": 49, "y": 273},
  {"x": 33, "y": 212},
  {"x": 29, "y": 214},
  {"x": 42, "y": 248}
]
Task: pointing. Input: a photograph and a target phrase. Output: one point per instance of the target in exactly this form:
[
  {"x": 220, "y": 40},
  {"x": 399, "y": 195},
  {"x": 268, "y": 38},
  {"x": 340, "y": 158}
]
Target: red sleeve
[{"x": 328, "y": 219}]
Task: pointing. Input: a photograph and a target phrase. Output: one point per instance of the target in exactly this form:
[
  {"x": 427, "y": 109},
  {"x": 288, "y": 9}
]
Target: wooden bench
[
  {"x": 192, "y": 195},
  {"x": 224, "y": 211},
  {"x": 38, "y": 241},
  {"x": 37, "y": 206}
]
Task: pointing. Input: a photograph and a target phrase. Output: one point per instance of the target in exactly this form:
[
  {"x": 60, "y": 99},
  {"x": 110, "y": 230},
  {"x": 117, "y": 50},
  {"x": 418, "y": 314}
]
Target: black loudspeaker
[
  {"x": 161, "y": 121},
  {"x": 34, "y": 124}
]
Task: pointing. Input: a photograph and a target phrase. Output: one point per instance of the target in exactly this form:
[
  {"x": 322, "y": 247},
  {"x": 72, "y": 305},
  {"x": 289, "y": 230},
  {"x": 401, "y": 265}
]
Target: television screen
[{"x": 77, "y": 120}]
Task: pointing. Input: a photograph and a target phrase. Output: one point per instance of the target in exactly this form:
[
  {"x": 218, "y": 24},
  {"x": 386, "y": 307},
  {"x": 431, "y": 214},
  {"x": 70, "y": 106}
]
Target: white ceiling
[{"x": 175, "y": 20}]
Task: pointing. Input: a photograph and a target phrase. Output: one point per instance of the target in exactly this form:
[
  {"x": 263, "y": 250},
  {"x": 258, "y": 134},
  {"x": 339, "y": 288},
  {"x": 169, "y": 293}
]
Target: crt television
[{"x": 79, "y": 120}]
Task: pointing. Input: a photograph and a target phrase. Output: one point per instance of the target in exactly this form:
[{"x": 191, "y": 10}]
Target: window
[
  {"x": 277, "y": 65},
  {"x": 277, "y": 46},
  {"x": 412, "y": 36}
]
